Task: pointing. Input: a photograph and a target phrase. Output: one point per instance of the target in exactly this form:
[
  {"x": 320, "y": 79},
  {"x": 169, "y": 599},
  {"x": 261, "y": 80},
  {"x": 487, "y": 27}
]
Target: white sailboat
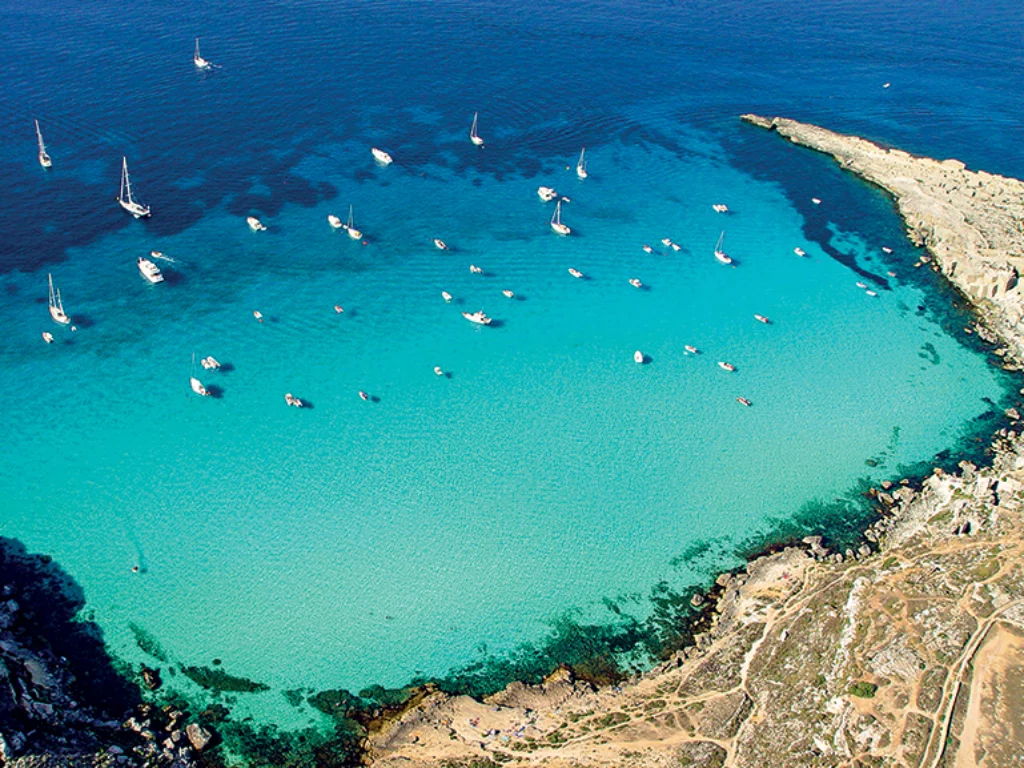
[
  {"x": 125, "y": 198},
  {"x": 556, "y": 221},
  {"x": 196, "y": 384},
  {"x": 44, "y": 159},
  {"x": 198, "y": 60},
  {"x": 350, "y": 227},
  {"x": 56, "y": 305},
  {"x": 473, "y": 135},
  {"x": 721, "y": 255},
  {"x": 581, "y": 165}
]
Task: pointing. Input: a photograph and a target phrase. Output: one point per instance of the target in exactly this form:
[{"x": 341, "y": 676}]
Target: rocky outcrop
[{"x": 907, "y": 650}]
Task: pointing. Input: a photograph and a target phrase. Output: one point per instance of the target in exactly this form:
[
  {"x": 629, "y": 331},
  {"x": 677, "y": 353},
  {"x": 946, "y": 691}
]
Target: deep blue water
[{"x": 457, "y": 518}]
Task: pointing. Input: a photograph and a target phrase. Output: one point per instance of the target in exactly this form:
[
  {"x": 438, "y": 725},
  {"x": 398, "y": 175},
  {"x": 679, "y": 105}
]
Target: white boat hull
[
  {"x": 137, "y": 210},
  {"x": 58, "y": 316}
]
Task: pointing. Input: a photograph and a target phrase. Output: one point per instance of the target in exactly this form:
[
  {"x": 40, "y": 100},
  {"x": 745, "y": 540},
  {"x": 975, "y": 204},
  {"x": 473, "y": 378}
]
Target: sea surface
[{"x": 547, "y": 486}]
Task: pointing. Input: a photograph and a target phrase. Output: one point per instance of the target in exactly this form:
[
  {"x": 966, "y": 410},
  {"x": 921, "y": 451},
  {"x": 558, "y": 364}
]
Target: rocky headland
[{"x": 904, "y": 650}]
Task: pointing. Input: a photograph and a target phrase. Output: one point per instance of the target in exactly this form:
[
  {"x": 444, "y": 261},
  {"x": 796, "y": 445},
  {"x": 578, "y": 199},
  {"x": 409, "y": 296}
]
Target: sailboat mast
[
  {"x": 197, "y": 48},
  {"x": 557, "y": 218},
  {"x": 351, "y": 221},
  {"x": 49, "y": 278},
  {"x": 126, "y": 181},
  {"x": 39, "y": 138}
]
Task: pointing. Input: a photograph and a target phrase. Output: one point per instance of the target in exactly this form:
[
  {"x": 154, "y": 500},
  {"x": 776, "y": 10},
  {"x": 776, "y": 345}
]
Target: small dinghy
[
  {"x": 438, "y": 370},
  {"x": 48, "y": 337},
  {"x": 692, "y": 349},
  {"x": 258, "y": 315},
  {"x": 886, "y": 249},
  {"x": 635, "y": 282},
  {"x": 575, "y": 273},
  {"x": 440, "y": 244},
  {"x": 799, "y": 251},
  {"x": 870, "y": 293},
  {"x": 446, "y": 296},
  {"x": 762, "y": 319},
  {"x": 363, "y": 395},
  {"x": 508, "y": 294},
  {"x": 816, "y": 201},
  {"x": 338, "y": 309},
  {"x": 638, "y": 356},
  {"x": 743, "y": 401}
]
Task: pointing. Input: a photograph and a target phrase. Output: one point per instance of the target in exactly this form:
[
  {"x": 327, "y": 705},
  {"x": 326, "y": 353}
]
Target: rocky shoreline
[{"x": 904, "y": 650}]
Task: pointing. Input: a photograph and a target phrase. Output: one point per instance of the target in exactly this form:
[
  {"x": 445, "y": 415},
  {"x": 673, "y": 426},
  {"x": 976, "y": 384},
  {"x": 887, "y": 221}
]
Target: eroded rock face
[{"x": 906, "y": 652}]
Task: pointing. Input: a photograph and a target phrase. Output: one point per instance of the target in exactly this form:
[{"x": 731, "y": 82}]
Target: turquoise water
[{"x": 453, "y": 517}]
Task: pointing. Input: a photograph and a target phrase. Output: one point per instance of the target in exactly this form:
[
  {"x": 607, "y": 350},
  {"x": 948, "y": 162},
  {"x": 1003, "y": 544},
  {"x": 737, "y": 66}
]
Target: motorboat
[
  {"x": 446, "y": 296},
  {"x": 556, "y": 221},
  {"x": 648, "y": 249},
  {"x": 676, "y": 247},
  {"x": 635, "y": 282},
  {"x": 816, "y": 201},
  {"x": 720, "y": 208},
  {"x": 350, "y": 226},
  {"x": 473, "y": 135},
  {"x": 508, "y": 294},
  {"x": 870, "y": 293},
  {"x": 381, "y": 156},
  {"x": 440, "y": 244},
  {"x": 581, "y": 164},
  {"x": 743, "y": 401},
  {"x": 210, "y": 363},
  {"x": 290, "y": 399},
  {"x": 48, "y": 337},
  {"x": 334, "y": 221},
  {"x": 727, "y": 366},
  {"x": 363, "y": 395},
  {"x": 667, "y": 242},
  {"x": 721, "y": 255},
  {"x": 762, "y": 319},
  {"x": 125, "y": 197},
  {"x": 150, "y": 271},
  {"x": 338, "y": 309},
  {"x": 198, "y": 60},
  {"x": 799, "y": 251},
  {"x": 56, "y": 305},
  {"x": 860, "y": 284},
  {"x": 886, "y": 249},
  {"x": 438, "y": 370},
  {"x": 477, "y": 317},
  {"x": 692, "y": 349},
  {"x": 44, "y": 158},
  {"x": 197, "y": 386},
  {"x": 255, "y": 224},
  {"x": 475, "y": 269},
  {"x": 638, "y": 356},
  {"x": 890, "y": 273},
  {"x": 575, "y": 273},
  {"x": 547, "y": 194},
  {"x": 258, "y": 315}
]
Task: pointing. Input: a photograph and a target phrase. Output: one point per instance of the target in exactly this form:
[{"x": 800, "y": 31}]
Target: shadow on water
[{"x": 50, "y": 602}]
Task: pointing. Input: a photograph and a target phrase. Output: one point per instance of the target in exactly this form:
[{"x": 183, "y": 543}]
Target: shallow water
[{"x": 455, "y": 517}]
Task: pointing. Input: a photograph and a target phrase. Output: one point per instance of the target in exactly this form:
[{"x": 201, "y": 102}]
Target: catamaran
[
  {"x": 44, "y": 159},
  {"x": 721, "y": 255},
  {"x": 556, "y": 221},
  {"x": 198, "y": 60},
  {"x": 129, "y": 203},
  {"x": 350, "y": 227},
  {"x": 581, "y": 165},
  {"x": 473, "y": 135},
  {"x": 56, "y": 305}
]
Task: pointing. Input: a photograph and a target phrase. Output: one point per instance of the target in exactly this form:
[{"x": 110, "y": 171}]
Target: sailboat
[
  {"x": 556, "y": 221},
  {"x": 56, "y": 305},
  {"x": 473, "y": 135},
  {"x": 198, "y": 60},
  {"x": 133, "y": 206},
  {"x": 581, "y": 165},
  {"x": 44, "y": 159},
  {"x": 196, "y": 384},
  {"x": 350, "y": 227},
  {"x": 721, "y": 255}
]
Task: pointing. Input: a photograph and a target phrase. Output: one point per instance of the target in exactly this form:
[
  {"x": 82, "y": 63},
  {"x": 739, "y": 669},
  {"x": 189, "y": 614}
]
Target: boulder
[{"x": 198, "y": 736}]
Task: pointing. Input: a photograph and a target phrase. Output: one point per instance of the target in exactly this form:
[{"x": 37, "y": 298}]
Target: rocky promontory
[{"x": 907, "y": 650}]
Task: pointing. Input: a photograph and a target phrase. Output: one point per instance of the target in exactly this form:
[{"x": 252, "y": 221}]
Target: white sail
[
  {"x": 44, "y": 158},
  {"x": 350, "y": 227},
  {"x": 473, "y": 135},
  {"x": 198, "y": 60},
  {"x": 581, "y": 165}
]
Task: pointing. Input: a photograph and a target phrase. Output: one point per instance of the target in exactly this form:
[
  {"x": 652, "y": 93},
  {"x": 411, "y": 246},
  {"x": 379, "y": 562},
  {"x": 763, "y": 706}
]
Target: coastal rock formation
[{"x": 905, "y": 651}]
